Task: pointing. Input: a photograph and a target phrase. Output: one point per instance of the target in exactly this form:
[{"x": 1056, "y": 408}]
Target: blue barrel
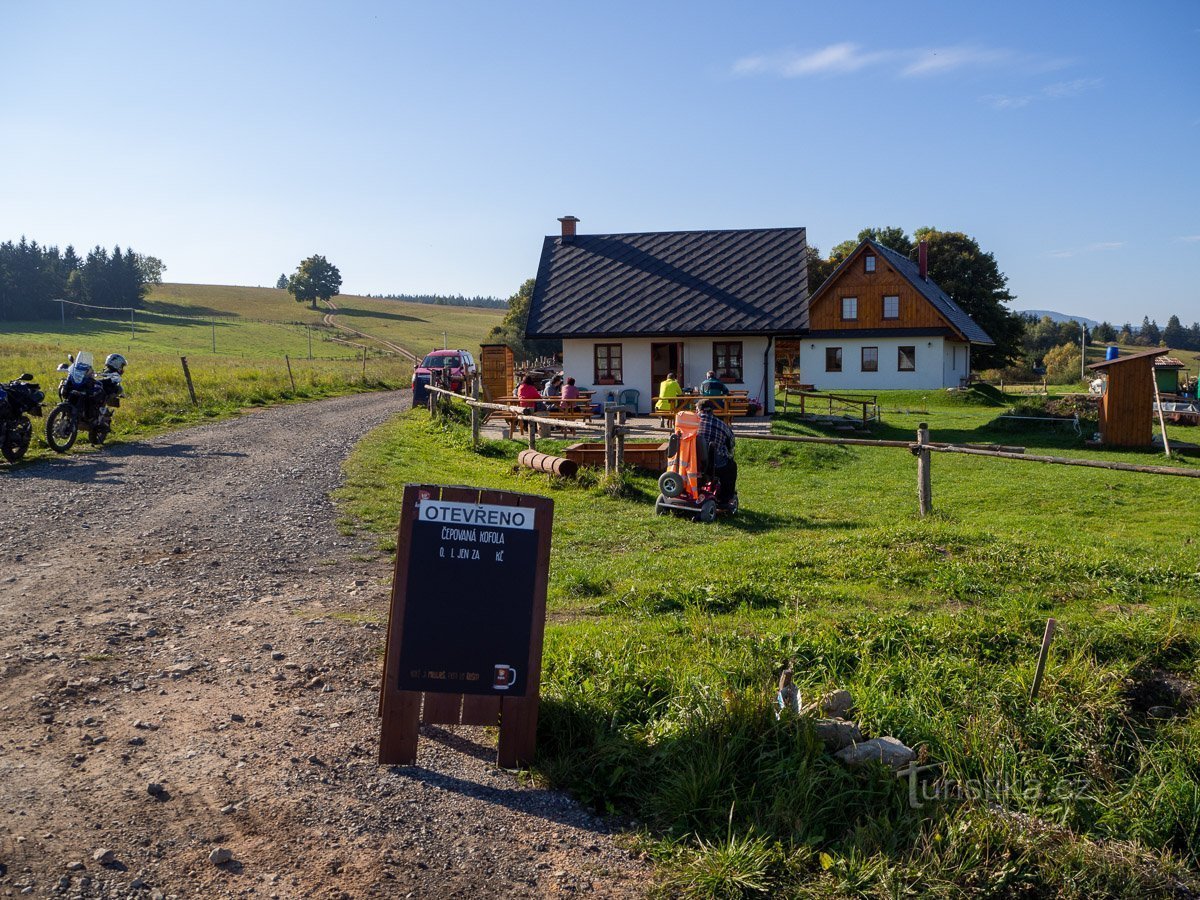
[{"x": 1111, "y": 353}]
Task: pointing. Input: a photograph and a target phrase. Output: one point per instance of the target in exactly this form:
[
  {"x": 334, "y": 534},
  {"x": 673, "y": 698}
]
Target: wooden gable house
[{"x": 879, "y": 323}]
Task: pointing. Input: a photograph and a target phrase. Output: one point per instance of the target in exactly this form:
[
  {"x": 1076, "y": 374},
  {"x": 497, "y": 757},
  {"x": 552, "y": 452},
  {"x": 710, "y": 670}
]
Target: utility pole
[{"x": 1083, "y": 352}]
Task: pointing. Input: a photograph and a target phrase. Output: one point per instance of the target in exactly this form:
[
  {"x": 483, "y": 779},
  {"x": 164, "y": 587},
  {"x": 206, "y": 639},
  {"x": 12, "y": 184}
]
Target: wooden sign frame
[{"x": 403, "y": 711}]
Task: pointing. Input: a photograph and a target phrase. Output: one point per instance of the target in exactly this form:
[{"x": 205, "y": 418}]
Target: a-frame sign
[{"x": 468, "y": 614}]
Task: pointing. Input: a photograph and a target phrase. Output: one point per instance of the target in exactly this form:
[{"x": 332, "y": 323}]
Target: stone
[
  {"x": 220, "y": 856},
  {"x": 74, "y": 865},
  {"x": 886, "y": 750},
  {"x": 837, "y": 734},
  {"x": 1162, "y": 712},
  {"x": 104, "y": 856},
  {"x": 154, "y": 789},
  {"x": 837, "y": 704}
]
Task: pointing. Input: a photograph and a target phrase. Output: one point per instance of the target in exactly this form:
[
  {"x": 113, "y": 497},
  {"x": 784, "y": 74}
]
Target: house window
[
  {"x": 727, "y": 360},
  {"x": 833, "y": 359},
  {"x": 608, "y": 364},
  {"x": 849, "y": 309},
  {"x": 907, "y": 359},
  {"x": 870, "y": 359},
  {"x": 891, "y": 307},
  {"x": 869, "y": 263}
]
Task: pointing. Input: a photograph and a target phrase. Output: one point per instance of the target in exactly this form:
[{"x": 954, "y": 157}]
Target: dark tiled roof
[
  {"x": 935, "y": 295},
  {"x": 672, "y": 283}
]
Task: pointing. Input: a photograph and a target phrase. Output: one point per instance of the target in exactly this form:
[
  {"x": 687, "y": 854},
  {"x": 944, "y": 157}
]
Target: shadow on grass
[
  {"x": 163, "y": 308},
  {"x": 370, "y": 314}
]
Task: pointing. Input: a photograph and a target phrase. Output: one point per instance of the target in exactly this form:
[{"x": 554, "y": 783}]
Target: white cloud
[
  {"x": 947, "y": 59},
  {"x": 1097, "y": 247},
  {"x": 1074, "y": 88},
  {"x": 845, "y": 58},
  {"x": 1189, "y": 238},
  {"x": 836, "y": 59},
  {"x": 1003, "y": 101}
]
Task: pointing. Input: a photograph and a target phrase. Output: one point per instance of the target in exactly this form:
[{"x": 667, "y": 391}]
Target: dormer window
[{"x": 869, "y": 263}]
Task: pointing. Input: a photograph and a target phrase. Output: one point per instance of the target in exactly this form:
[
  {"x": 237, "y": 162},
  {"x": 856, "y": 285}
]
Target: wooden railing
[{"x": 811, "y": 403}]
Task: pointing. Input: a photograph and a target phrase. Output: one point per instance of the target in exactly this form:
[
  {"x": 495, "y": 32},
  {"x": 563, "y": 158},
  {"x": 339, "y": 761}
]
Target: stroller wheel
[
  {"x": 671, "y": 484},
  {"x": 708, "y": 510},
  {"x": 660, "y": 507}
]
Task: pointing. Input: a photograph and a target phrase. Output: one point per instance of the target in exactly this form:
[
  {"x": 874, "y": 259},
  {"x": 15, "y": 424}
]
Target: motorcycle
[
  {"x": 18, "y": 401},
  {"x": 88, "y": 401}
]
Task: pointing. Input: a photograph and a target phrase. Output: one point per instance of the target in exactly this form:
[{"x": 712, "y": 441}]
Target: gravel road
[{"x": 190, "y": 655}]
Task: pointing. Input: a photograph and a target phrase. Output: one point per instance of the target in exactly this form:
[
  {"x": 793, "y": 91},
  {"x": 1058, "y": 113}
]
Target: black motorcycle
[
  {"x": 88, "y": 401},
  {"x": 19, "y": 400}
]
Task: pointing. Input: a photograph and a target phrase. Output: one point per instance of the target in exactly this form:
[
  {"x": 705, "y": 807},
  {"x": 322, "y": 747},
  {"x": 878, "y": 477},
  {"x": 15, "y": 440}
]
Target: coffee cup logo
[{"x": 504, "y": 677}]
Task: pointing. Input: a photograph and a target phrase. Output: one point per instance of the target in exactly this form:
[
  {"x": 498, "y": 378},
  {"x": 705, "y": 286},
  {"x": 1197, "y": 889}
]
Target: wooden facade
[
  {"x": 496, "y": 371},
  {"x": 1127, "y": 405},
  {"x": 869, "y": 288}
]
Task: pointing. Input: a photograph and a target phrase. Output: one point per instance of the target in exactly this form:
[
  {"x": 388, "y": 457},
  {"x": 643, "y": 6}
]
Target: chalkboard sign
[
  {"x": 467, "y": 617},
  {"x": 470, "y": 589}
]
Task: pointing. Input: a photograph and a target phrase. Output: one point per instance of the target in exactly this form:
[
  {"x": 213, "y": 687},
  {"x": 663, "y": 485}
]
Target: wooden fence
[
  {"x": 811, "y": 403},
  {"x": 615, "y": 429}
]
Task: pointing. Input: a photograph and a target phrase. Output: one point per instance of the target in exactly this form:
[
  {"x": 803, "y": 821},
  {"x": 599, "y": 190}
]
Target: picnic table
[
  {"x": 735, "y": 404},
  {"x": 578, "y": 409}
]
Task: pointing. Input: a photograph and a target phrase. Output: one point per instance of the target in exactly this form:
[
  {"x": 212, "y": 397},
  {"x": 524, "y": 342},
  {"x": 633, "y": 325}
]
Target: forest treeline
[{"x": 33, "y": 275}]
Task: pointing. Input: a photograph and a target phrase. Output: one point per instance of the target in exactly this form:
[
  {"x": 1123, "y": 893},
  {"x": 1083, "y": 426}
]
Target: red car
[{"x": 455, "y": 366}]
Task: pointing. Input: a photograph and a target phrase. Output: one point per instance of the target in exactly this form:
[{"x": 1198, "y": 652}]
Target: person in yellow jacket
[{"x": 666, "y": 391}]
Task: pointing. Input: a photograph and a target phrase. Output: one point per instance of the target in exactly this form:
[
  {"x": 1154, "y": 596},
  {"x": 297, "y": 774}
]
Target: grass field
[
  {"x": 252, "y": 329},
  {"x": 667, "y": 637}
]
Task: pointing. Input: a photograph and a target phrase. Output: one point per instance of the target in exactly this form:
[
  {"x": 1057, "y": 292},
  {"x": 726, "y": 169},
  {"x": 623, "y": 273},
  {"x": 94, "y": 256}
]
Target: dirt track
[{"x": 189, "y": 659}]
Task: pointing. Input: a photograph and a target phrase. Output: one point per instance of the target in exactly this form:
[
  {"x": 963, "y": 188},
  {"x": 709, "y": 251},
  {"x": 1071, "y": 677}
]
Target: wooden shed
[
  {"x": 1127, "y": 406},
  {"x": 496, "y": 371},
  {"x": 1166, "y": 373}
]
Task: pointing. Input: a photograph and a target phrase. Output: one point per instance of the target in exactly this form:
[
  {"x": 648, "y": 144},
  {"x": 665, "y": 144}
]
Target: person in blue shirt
[{"x": 712, "y": 386}]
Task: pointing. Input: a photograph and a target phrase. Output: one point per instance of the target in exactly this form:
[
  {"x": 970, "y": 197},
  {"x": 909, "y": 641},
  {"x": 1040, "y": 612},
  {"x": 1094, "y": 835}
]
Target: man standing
[{"x": 720, "y": 443}]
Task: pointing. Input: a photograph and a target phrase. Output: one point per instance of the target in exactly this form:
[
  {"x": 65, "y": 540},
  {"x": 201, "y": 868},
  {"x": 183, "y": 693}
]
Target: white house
[
  {"x": 629, "y": 308},
  {"x": 879, "y": 323}
]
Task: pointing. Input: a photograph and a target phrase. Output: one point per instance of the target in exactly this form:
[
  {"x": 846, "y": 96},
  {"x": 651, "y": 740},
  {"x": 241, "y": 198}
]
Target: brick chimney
[
  {"x": 568, "y": 228},
  {"x": 922, "y": 259}
]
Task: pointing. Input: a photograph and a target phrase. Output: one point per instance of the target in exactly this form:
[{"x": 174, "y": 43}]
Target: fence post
[
  {"x": 475, "y": 417},
  {"x": 291, "y": 378},
  {"x": 533, "y": 433},
  {"x": 620, "y": 442},
  {"x": 924, "y": 482},
  {"x": 610, "y": 440},
  {"x": 187, "y": 375},
  {"x": 364, "y": 375}
]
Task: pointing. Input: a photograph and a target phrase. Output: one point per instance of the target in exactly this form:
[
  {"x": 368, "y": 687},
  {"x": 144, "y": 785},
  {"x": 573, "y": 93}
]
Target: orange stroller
[{"x": 689, "y": 485}]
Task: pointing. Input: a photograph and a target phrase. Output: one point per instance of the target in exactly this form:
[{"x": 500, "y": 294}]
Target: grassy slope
[
  {"x": 255, "y": 328},
  {"x": 666, "y": 636}
]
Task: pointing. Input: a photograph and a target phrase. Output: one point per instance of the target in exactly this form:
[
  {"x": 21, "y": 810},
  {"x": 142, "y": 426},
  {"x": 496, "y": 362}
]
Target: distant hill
[{"x": 1057, "y": 316}]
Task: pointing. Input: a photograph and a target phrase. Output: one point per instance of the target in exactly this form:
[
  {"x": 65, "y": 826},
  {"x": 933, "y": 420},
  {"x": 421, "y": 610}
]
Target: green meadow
[
  {"x": 666, "y": 639},
  {"x": 257, "y": 334}
]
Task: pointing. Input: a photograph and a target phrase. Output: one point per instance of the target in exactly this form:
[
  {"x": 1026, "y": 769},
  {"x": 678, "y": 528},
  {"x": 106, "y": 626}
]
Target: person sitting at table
[
  {"x": 569, "y": 391},
  {"x": 528, "y": 398},
  {"x": 666, "y": 405},
  {"x": 712, "y": 386},
  {"x": 720, "y": 443}
]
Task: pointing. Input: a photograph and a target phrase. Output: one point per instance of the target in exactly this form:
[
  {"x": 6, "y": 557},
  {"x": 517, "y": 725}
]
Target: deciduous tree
[{"x": 315, "y": 279}]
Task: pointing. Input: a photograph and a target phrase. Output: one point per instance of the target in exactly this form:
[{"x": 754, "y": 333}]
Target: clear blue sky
[{"x": 428, "y": 148}]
